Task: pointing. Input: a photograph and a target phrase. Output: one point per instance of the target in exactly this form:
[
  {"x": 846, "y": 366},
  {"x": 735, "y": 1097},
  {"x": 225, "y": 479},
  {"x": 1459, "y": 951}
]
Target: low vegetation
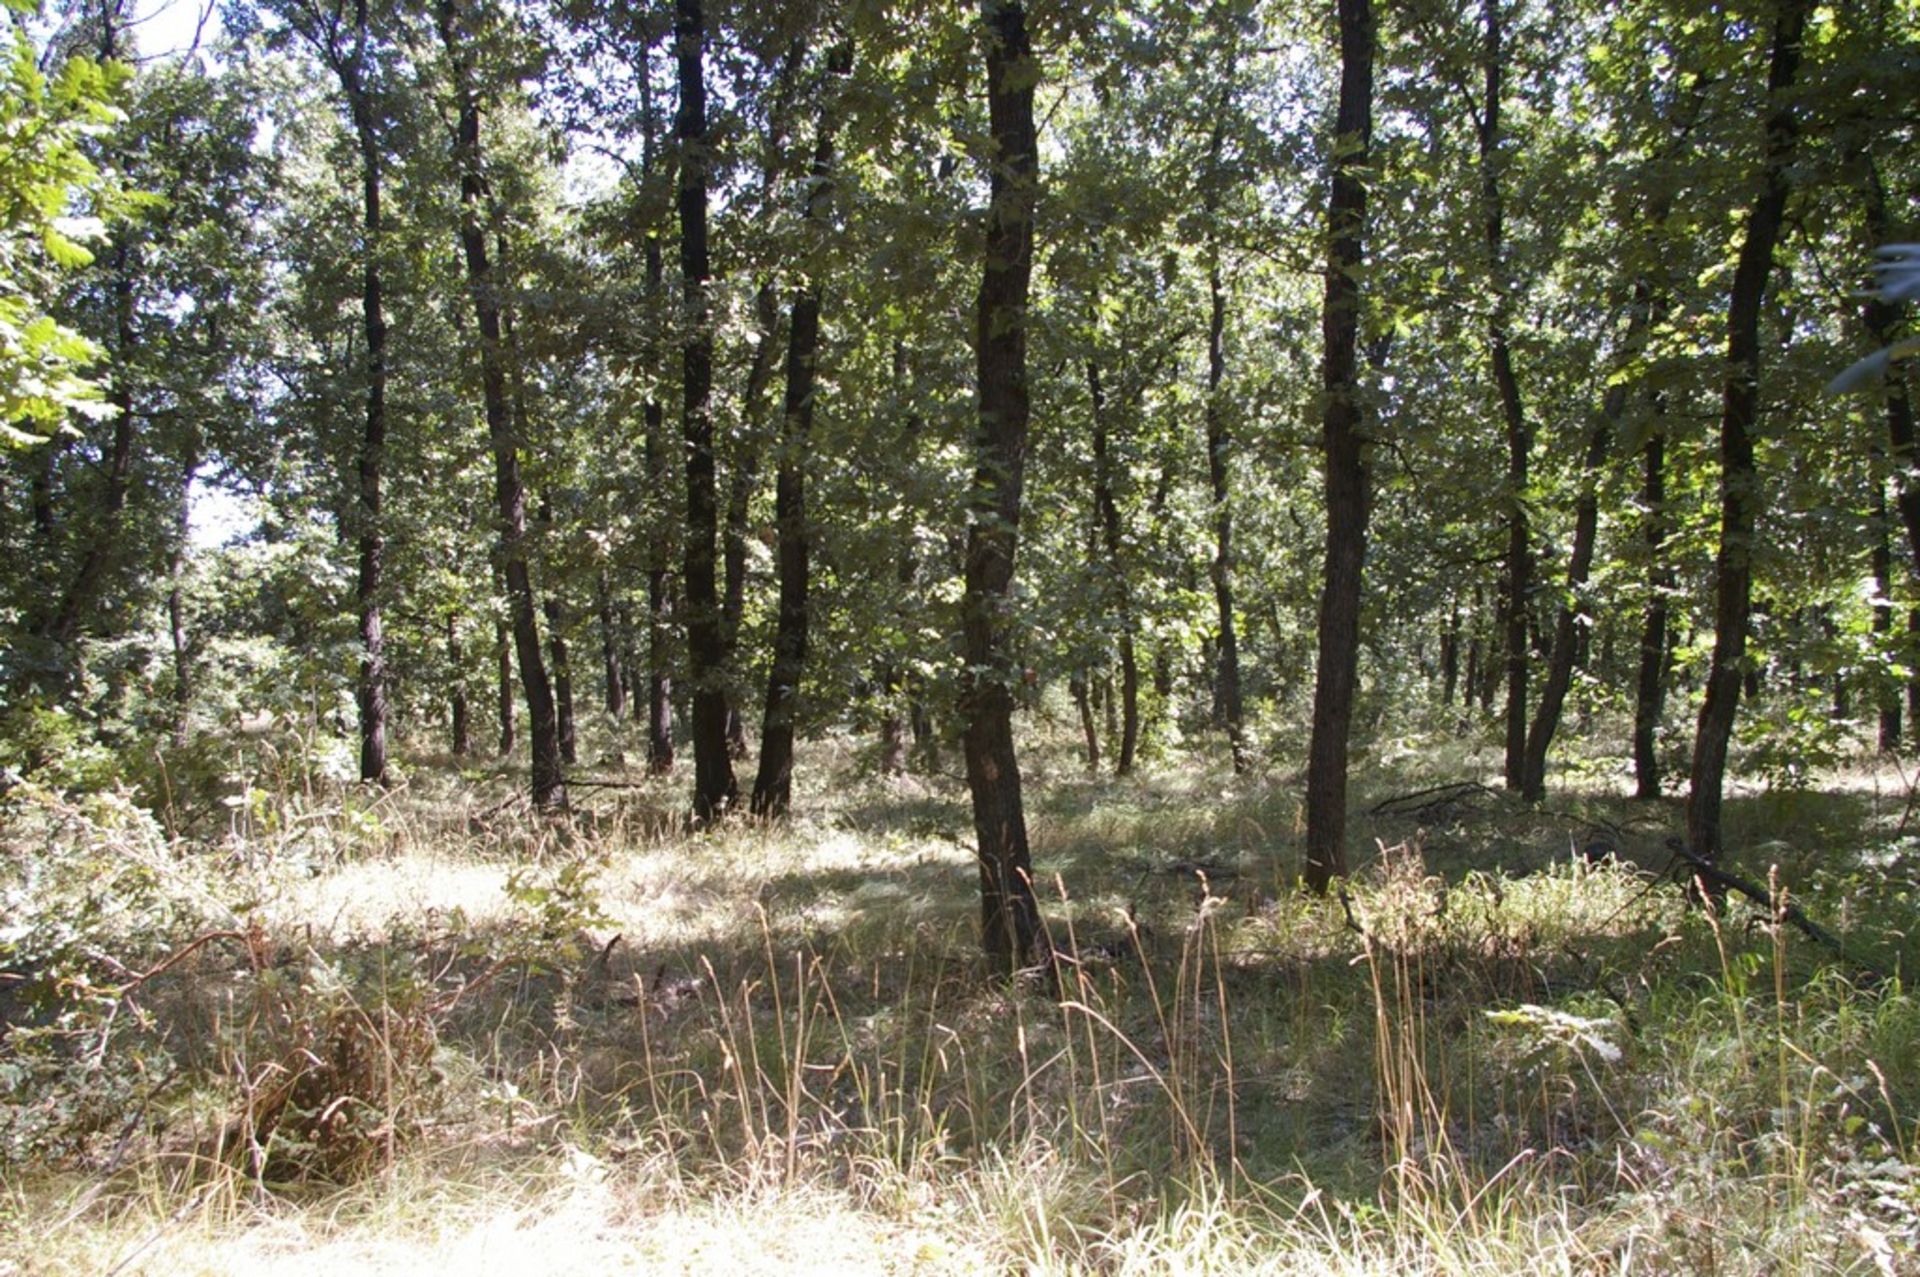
[{"x": 284, "y": 1023}]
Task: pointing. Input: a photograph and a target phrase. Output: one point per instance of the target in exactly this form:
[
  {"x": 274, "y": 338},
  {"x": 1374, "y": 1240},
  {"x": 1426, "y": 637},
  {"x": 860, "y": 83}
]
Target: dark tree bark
[
  {"x": 714, "y": 787},
  {"x": 1450, "y": 656},
  {"x": 1107, "y": 509},
  {"x": 1739, "y": 481},
  {"x": 1337, "y": 671},
  {"x": 543, "y": 730},
  {"x": 773, "y": 785},
  {"x": 1009, "y": 914}
]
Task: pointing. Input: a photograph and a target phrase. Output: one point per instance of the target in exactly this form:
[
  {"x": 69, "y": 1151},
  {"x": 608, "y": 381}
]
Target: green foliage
[{"x": 52, "y": 197}]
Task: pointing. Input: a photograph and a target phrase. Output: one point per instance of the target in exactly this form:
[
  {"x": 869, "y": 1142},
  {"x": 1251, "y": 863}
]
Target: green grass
[{"x": 430, "y": 1031}]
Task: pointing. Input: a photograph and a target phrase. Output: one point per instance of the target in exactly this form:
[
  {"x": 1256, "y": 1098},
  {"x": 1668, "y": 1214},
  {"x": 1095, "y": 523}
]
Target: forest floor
[{"x": 426, "y": 1031}]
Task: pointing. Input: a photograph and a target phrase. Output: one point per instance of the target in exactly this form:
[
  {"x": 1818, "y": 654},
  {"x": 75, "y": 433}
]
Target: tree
[
  {"x": 1740, "y": 412},
  {"x": 1346, "y": 469},
  {"x": 1009, "y": 913},
  {"x": 543, "y": 728}
]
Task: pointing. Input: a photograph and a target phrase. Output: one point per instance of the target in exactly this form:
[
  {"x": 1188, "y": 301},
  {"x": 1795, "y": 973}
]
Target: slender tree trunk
[
  {"x": 611, "y": 672},
  {"x": 714, "y": 787},
  {"x": 773, "y": 786},
  {"x": 1009, "y": 914},
  {"x": 1227, "y": 696},
  {"x": 1450, "y": 656},
  {"x": 1517, "y": 582},
  {"x": 1656, "y": 649},
  {"x": 177, "y": 601},
  {"x": 503, "y": 684},
  {"x": 1082, "y": 693},
  {"x": 1882, "y": 318},
  {"x": 742, "y": 482},
  {"x": 1336, "y": 674},
  {"x": 462, "y": 732},
  {"x": 893, "y": 719},
  {"x": 1570, "y": 622},
  {"x": 1739, "y": 480},
  {"x": 562, "y": 678},
  {"x": 543, "y": 731},
  {"x": 1886, "y": 694},
  {"x": 1107, "y": 507}
]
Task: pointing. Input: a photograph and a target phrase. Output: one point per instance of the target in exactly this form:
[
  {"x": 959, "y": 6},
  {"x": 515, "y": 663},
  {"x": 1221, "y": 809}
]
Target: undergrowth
[{"x": 299, "y": 1021}]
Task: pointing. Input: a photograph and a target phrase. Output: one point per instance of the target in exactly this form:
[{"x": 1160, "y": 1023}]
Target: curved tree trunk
[
  {"x": 1009, "y": 914},
  {"x": 1337, "y": 671},
  {"x": 1739, "y": 481}
]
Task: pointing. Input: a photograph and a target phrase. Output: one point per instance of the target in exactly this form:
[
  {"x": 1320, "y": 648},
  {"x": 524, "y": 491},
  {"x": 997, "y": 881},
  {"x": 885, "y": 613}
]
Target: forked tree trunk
[
  {"x": 1739, "y": 480},
  {"x": 1337, "y": 671},
  {"x": 1009, "y": 914},
  {"x": 1569, "y": 622}
]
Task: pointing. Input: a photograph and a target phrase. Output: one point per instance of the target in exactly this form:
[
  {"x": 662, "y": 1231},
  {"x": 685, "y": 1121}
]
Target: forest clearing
[{"x": 1033, "y": 636}]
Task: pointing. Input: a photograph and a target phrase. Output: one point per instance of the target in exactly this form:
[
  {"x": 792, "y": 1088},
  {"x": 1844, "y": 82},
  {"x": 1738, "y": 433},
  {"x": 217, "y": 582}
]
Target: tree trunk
[
  {"x": 1227, "y": 698},
  {"x": 1009, "y": 914},
  {"x": 543, "y": 731},
  {"x": 1656, "y": 648},
  {"x": 177, "y": 602},
  {"x": 611, "y": 673},
  {"x": 1739, "y": 481},
  {"x": 773, "y": 786},
  {"x": 462, "y": 731},
  {"x": 714, "y": 787},
  {"x": 1107, "y": 507},
  {"x": 562, "y": 678},
  {"x": 1082, "y": 693},
  {"x": 1337, "y": 671},
  {"x": 503, "y": 683},
  {"x": 1517, "y": 581},
  {"x": 1886, "y": 694},
  {"x": 1571, "y": 621}
]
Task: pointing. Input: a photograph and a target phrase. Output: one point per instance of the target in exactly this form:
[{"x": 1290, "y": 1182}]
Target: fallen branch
[
  {"x": 1782, "y": 909},
  {"x": 1424, "y": 803}
]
